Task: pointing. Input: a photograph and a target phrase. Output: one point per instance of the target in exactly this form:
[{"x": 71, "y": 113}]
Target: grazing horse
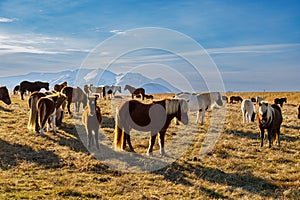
[
  {"x": 91, "y": 118},
  {"x": 236, "y": 98},
  {"x": 59, "y": 87},
  {"x": 32, "y": 87},
  {"x": 248, "y": 109},
  {"x": 111, "y": 90},
  {"x": 135, "y": 91},
  {"x": 269, "y": 117},
  {"x": 280, "y": 101},
  {"x": 47, "y": 110},
  {"x": 200, "y": 102},
  {"x": 16, "y": 89},
  {"x": 75, "y": 95},
  {"x": 154, "y": 117},
  {"x": 4, "y": 95},
  {"x": 95, "y": 90}
]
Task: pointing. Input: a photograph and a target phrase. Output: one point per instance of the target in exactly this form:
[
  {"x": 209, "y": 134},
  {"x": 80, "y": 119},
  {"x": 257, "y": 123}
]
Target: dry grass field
[{"x": 60, "y": 167}]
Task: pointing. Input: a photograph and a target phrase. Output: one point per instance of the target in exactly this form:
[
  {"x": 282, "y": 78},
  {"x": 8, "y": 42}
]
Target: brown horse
[
  {"x": 269, "y": 117},
  {"x": 154, "y": 117},
  {"x": 59, "y": 87},
  {"x": 75, "y": 95},
  {"x": 135, "y": 91},
  {"x": 147, "y": 96},
  {"x": 280, "y": 101},
  {"x": 4, "y": 95},
  {"x": 47, "y": 110},
  {"x": 92, "y": 118},
  {"x": 32, "y": 87}
]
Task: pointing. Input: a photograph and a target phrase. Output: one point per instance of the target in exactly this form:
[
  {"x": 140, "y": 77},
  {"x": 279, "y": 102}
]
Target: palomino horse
[
  {"x": 75, "y": 95},
  {"x": 200, "y": 102},
  {"x": 59, "y": 87},
  {"x": 111, "y": 90},
  {"x": 47, "y": 110},
  {"x": 155, "y": 117},
  {"x": 269, "y": 117},
  {"x": 248, "y": 109},
  {"x": 32, "y": 87},
  {"x": 135, "y": 91},
  {"x": 4, "y": 95},
  {"x": 92, "y": 118},
  {"x": 16, "y": 89}
]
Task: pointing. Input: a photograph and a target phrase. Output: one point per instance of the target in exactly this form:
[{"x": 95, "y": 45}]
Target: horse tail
[
  {"x": 33, "y": 113},
  {"x": 42, "y": 113},
  {"x": 119, "y": 135}
]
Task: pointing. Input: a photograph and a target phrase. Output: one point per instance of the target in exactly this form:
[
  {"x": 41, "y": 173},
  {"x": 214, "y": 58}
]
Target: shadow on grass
[
  {"x": 5, "y": 109},
  {"x": 247, "y": 181},
  {"x": 108, "y": 122},
  {"x": 12, "y": 154}
]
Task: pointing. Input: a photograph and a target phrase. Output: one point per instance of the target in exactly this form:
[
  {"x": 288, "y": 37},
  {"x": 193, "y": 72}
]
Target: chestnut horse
[
  {"x": 75, "y": 95},
  {"x": 32, "y": 87},
  {"x": 135, "y": 91},
  {"x": 154, "y": 117},
  {"x": 269, "y": 117},
  {"x": 91, "y": 118},
  {"x": 4, "y": 95},
  {"x": 47, "y": 110}
]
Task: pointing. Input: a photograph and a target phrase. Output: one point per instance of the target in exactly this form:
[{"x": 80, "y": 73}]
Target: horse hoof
[{"x": 149, "y": 154}]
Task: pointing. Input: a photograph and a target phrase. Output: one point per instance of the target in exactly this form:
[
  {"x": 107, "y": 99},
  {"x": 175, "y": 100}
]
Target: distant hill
[{"x": 95, "y": 77}]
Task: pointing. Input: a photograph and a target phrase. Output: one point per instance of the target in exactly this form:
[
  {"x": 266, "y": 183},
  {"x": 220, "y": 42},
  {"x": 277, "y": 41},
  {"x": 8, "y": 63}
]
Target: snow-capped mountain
[{"x": 93, "y": 76}]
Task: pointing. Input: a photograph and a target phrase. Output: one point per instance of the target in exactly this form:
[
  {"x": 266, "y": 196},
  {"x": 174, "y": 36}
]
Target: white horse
[
  {"x": 201, "y": 102},
  {"x": 111, "y": 90},
  {"x": 248, "y": 109}
]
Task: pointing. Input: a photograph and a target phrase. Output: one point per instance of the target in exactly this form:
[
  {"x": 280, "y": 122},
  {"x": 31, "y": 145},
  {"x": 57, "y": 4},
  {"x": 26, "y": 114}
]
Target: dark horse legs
[{"x": 127, "y": 138}]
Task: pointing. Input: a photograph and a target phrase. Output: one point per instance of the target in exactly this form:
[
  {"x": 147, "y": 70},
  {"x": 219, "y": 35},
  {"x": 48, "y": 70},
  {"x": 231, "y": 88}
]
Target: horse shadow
[
  {"x": 5, "y": 109},
  {"x": 108, "y": 122},
  {"x": 178, "y": 173},
  {"x": 12, "y": 154}
]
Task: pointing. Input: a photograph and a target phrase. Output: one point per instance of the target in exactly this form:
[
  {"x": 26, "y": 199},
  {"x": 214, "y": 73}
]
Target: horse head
[
  {"x": 263, "y": 112},
  {"x": 92, "y": 103}
]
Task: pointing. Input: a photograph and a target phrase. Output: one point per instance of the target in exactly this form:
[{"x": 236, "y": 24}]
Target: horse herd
[{"x": 154, "y": 117}]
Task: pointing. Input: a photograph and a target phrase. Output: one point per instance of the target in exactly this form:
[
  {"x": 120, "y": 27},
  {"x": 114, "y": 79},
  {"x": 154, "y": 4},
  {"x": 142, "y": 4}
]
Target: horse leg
[
  {"x": 132, "y": 95},
  {"x": 22, "y": 95},
  {"x": 262, "y": 135},
  {"x": 197, "y": 118},
  {"x": 243, "y": 116},
  {"x": 162, "y": 143},
  {"x": 277, "y": 137},
  {"x": 270, "y": 137},
  {"x": 96, "y": 138},
  {"x": 69, "y": 109},
  {"x": 53, "y": 121},
  {"x": 127, "y": 138},
  {"x": 151, "y": 144},
  {"x": 89, "y": 137},
  {"x": 202, "y": 117}
]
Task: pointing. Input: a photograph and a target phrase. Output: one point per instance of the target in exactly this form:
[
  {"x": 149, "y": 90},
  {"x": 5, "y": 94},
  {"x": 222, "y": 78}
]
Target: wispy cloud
[
  {"x": 118, "y": 32},
  {"x": 7, "y": 20}
]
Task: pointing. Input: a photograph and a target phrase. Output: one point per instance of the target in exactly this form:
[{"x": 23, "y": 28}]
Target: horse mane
[{"x": 173, "y": 105}]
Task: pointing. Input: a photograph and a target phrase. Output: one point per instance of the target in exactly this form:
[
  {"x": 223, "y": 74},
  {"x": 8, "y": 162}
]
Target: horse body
[
  {"x": 201, "y": 102},
  {"x": 74, "y": 95},
  {"x": 236, "y": 98},
  {"x": 32, "y": 87},
  {"x": 4, "y": 95},
  {"x": 47, "y": 110},
  {"x": 135, "y": 91},
  {"x": 92, "y": 118},
  {"x": 154, "y": 117},
  {"x": 248, "y": 109},
  {"x": 269, "y": 117}
]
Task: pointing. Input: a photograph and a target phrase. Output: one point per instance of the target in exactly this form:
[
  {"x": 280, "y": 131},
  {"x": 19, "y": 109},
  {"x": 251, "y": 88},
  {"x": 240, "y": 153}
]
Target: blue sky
[{"x": 255, "y": 44}]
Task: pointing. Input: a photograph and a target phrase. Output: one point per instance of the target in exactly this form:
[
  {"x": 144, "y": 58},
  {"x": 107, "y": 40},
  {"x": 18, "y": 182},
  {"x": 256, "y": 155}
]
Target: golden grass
[{"x": 60, "y": 167}]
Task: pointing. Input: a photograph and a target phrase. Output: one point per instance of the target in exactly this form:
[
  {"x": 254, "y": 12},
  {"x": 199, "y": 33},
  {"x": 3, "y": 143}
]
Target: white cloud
[
  {"x": 7, "y": 20},
  {"x": 118, "y": 32}
]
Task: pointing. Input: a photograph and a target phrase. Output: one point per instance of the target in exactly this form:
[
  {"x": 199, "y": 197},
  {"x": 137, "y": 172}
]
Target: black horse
[{"x": 32, "y": 87}]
